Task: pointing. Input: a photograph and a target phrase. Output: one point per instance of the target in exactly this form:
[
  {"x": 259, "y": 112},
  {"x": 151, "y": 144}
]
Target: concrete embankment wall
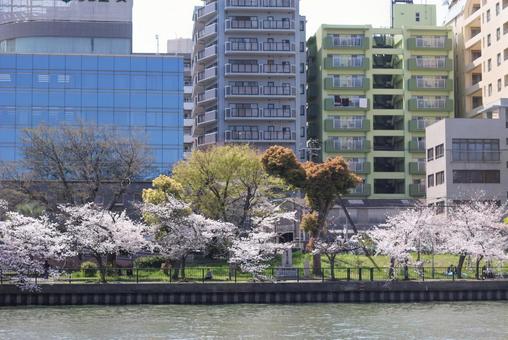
[{"x": 226, "y": 293}]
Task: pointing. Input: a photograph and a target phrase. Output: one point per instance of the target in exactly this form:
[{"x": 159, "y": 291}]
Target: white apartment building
[
  {"x": 481, "y": 52},
  {"x": 249, "y": 73},
  {"x": 183, "y": 47},
  {"x": 467, "y": 158}
]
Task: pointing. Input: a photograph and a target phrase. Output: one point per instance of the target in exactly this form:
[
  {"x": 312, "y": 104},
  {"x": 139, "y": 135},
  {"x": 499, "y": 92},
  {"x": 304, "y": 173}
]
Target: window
[
  {"x": 430, "y": 154},
  {"x": 302, "y": 110},
  {"x": 476, "y": 176},
  {"x": 430, "y": 181},
  {"x": 440, "y": 178},
  {"x": 498, "y": 59},
  {"x": 488, "y": 15},
  {"x": 489, "y": 91},
  {"x": 498, "y": 8},
  {"x": 417, "y": 17},
  {"x": 498, "y": 34},
  {"x": 439, "y": 151},
  {"x": 302, "y": 68},
  {"x": 302, "y": 47},
  {"x": 475, "y": 150},
  {"x": 302, "y": 89},
  {"x": 499, "y": 85},
  {"x": 489, "y": 40},
  {"x": 302, "y": 131},
  {"x": 302, "y": 26},
  {"x": 489, "y": 64}
]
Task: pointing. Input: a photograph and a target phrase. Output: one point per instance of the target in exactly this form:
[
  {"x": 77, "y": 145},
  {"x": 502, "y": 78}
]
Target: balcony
[
  {"x": 260, "y": 114},
  {"x": 207, "y": 139},
  {"x": 260, "y": 136},
  {"x": 208, "y": 33},
  {"x": 416, "y": 104},
  {"x": 338, "y": 125},
  {"x": 429, "y": 43},
  {"x": 206, "y": 12},
  {"x": 361, "y": 190},
  {"x": 416, "y": 146},
  {"x": 417, "y": 190},
  {"x": 188, "y": 106},
  {"x": 344, "y": 83},
  {"x": 257, "y": 91},
  {"x": 207, "y": 54},
  {"x": 352, "y": 104},
  {"x": 260, "y": 69},
  {"x": 346, "y": 63},
  {"x": 335, "y": 146},
  {"x": 430, "y": 64},
  {"x": 417, "y": 168},
  {"x": 278, "y": 47},
  {"x": 346, "y": 42},
  {"x": 271, "y": 48},
  {"x": 234, "y": 25},
  {"x": 417, "y": 125},
  {"x": 207, "y": 96},
  {"x": 206, "y": 118},
  {"x": 242, "y": 46},
  {"x": 363, "y": 168},
  {"x": 207, "y": 76},
  {"x": 430, "y": 84},
  {"x": 271, "y": 5}
]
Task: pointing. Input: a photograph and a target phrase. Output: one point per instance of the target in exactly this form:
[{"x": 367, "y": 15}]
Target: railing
[
  {"x": 243, "y": 135},
  {"x": 430, "y": 83},
  {"x": 432, "y": 63},
  {"x": 206, "y": 117},
  {"x": 242, "y": 68},
  {"x": 243, "y": 90},
  {"x": 347, "y": 62},
  {"x": 431, "y": 103},
  {"x": 278, "y": 47},
  {"x": 278, "y": 68},
  {"x": 279, "y": 135},
  {"x": 209, "y": 138},
  {"x": 260, "y": 113},
  {"x": 208, "y": 9},
  {"x": 210, "y": 29},
  {"x": 361, "y": 189},
  {"x": 207, "y": 74},
  {"x": 476, "y": 156},
  {"x": 260, "y": 90},
  {"x": 431, "y": 42},
  {"x": 233, "y": 274},
  {"x": 261, "y": 3},
  {"x": 207, "y": 95},
  {"x": 347, "y": 41},
  {"x": 279, "y": 91},
  {"x": 207, "y": 52},
  {"x": 348, "y": 146},
  {"x": 359, "y": 167},
  {"x": 234, "y": 24},
  {"x": 347, "y": 82},
  {"x": 278, "y": 113},
  {"x": 242, "y": 46},
  {"x": 278, "y": 24},
  {"x": 346, "y": 123}
]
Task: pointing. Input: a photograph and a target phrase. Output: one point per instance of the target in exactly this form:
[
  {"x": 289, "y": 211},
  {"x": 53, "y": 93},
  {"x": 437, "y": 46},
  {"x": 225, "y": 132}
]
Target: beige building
[{"x": 481, "y": 52}]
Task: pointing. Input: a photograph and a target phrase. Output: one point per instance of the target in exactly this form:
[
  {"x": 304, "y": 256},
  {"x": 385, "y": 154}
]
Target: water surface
[{"x": 478, "y": 320}]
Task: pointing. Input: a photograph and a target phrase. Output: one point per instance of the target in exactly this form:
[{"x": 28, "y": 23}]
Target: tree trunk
[
  {"x": 182, "y": 268},
  {"x": 406, "y": 271},
  {"x": 102, "y": 268},
  {"x": 478, "y": 260},
  {"x": 462, "y": 258},
  {"x": 391, "y": 272},
  {"x": 316, "y": 264},
  {"x": 332, "y": 267}
]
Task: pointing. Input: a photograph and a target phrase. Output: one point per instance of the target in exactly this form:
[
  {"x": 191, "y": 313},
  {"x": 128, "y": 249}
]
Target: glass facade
[
  {"x": 66, "y": 45},
  {"x": 139, "y": 95}
]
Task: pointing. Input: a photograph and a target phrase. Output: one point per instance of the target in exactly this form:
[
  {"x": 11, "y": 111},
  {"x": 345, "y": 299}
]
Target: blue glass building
[{"x": 141, "y": 94}]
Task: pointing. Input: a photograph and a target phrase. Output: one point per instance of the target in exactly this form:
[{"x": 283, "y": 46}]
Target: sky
[{"x": 173, "y": 18}]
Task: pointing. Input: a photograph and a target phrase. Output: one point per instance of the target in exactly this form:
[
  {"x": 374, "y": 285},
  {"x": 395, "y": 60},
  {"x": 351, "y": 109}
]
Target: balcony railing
[
  {"x": 338, "y": 146},
  {"x": 207, "y": 31},
  {"x": 233, "y": 24},
  {"x": 260, "y": 136},
  {"x": 347, "y": 103},
  {"x": 361, "y": 190},
  {"x": 476, "y": 156},
  {"x": 417, "y": 168},
  {"x": 273, "y": 4},
  {"x": 429, "y": 43},
  {"x": 260, "y": 113},
  {"x": 417, "y": 190},
  {"x": 207, "y": 117},
  {"x": 347, "y": 125},
  {"x": 357, "y": 42},
  {"x": 207, "y": 10},
  {"x": 417, "y": 104},
  {"x": 279, "y": 136},
  {"x": 261, "y": 69},
  {"x": 210, "y": 51},
  {"x": 209, "y": 73},
  {"x": 281, "y": 91},
  {"x": 346, "y": 83},
  {"x": 278, "y": 47},
  {"x": 417, "y": 125},
  {"x": 242, "y": 68},
  {"x": 430, "y": 63},
  {"x": 430, "y": 84},
  {"x": 278, "y": 24},
  {"x": 416, "y": 146},
  {"x": 360, "y": 167},
  {"x": 346, "y": 63},
  {"x": 242, "y": 46},
  {"x": 207, "y": 95},
  {"x": 207, "y": 139}
]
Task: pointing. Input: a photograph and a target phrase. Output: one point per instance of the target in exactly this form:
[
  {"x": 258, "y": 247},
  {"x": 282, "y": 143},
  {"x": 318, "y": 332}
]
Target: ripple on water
[{"x": 479, "y": 320}]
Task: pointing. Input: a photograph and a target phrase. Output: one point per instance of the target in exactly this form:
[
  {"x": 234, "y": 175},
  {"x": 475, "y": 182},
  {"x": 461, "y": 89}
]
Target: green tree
[
  {"x": 323, "y": 185},
  {"x": 225, "y": 183}
]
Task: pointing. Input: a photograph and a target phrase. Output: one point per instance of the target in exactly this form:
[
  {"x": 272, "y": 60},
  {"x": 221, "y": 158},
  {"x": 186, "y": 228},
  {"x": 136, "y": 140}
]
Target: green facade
[{"x": 371, "y": 93}]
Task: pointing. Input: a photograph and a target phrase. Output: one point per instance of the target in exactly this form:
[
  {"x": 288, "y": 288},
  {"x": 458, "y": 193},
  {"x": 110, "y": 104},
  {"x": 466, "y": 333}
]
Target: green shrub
[
  {"x": 149, "y": 262},
  {"x": 89, "y": 269}
]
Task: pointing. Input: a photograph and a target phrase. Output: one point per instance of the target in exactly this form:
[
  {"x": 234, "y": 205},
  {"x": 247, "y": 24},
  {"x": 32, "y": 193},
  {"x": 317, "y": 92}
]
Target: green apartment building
[{"x": 372, "y": 92}]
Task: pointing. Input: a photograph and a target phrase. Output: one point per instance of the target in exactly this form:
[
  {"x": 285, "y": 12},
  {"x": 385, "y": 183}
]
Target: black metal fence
[{"x": 225, "y": 274}]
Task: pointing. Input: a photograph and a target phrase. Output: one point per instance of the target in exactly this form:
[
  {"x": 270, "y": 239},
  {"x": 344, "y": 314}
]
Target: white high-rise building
[{"x": 249, "y": 73}]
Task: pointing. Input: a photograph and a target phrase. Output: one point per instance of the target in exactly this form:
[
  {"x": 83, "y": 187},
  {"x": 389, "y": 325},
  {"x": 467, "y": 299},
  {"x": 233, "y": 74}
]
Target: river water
[{"x": 478, "y": 320}]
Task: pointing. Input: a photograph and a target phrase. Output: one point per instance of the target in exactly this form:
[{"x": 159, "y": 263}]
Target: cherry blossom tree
[
  {"x": 334, "y": 245},
  {"x": 254, "y": 250},
  {"x": 476, "y": 228},
  {"x": 408, "y": 231},
  {"x": 26, "y": 244},
  {"x": 179, "y": 232},
  {"x": 102, "y": 232}
]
